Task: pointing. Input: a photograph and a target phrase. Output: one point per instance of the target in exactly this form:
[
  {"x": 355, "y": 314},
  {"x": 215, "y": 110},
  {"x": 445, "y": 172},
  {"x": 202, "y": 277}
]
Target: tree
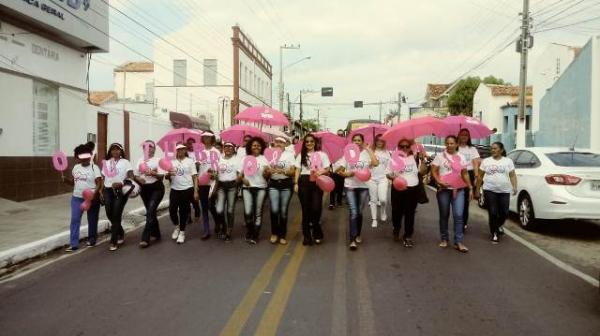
[
  {"x": 310, "y": 124},
  {"x": 461, "y": 99}
]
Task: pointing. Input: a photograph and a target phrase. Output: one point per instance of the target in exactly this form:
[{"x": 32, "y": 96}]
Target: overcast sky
[{"x": 366, "y": 50}]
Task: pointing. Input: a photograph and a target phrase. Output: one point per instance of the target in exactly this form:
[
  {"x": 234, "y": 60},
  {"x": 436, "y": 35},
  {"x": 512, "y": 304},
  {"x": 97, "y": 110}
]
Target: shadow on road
[{"x": 582, "y": 230}]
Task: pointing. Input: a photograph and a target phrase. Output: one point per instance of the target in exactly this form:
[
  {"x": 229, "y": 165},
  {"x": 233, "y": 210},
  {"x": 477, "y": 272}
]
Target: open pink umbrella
[
  {"x": 369, "y": 132},
  {"x": 263, "y": 115},
  {"x": 179, "y": 135},
  {"x": 274, "y": 133},
  {"x": 477, "y": 129},
  {"x": 414, "y": 128},
  {"x": 331, "y": 143},
  {"x": 236, "y": 134}
]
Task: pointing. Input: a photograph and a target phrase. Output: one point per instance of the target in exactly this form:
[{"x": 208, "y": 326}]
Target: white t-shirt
[
  {"x": 445, "y": 165},
  {"x": 305, "y": 169},
  {"x": 410, "y": 171},
  {"x": 241, "y": 152},
  {"x": 497, "y": 178},
  {"x": 152, "y": 164},
  {"x": 122, "y": 166},
  {"x": 470, "y": 154},
  {"x": 181, "y": 179},
  {"x": 378, "y": 173},
  {"x": 257, "y": 180},
  {"x": 84, "y": 178},
  {"x": 364, "y": 161},
  {"x": 205, "y": 164},
  {"x": 290, "y": 149},
  {"x": 228, "y": 168},
  {"x": 286, "y": 161}
]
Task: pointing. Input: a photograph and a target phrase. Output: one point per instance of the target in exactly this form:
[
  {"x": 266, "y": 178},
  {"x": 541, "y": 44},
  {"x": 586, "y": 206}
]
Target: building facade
[{"x": 489, "y": 100}]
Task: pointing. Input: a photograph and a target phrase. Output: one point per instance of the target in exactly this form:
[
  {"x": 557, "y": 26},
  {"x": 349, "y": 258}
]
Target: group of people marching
[{"x": 210, "y": 183}]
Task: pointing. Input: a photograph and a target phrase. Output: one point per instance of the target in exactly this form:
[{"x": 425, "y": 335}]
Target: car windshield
[{"x": 575, "y": 159}]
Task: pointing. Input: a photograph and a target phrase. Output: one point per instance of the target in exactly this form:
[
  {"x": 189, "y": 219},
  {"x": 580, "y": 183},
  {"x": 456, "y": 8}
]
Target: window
[
  {"x": 527, "y": 160},
  {"x": 575, "y": 159},
  {"x": 505, "y": 128},
  {"x": 210, "y": 72},
  {"x": 516, "y": 121},
  {"x": 45, "y": 119},
  {"x": 527, "y": 122},
  {"x": 179, "y": 72},
  {"x": 513, "y": 155},
  {"x": 150, "y": 91}
]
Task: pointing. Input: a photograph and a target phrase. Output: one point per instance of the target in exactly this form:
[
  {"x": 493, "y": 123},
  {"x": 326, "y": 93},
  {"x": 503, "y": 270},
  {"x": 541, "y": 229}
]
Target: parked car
[
  {"x": 555, "y": 183},
  {"x": 432, "y": 150},
  {"x": 484, "y": 151}
]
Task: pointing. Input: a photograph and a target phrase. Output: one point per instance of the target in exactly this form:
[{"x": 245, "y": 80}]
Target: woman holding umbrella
[
  {"x": 449, "y": 169},
  {"x": 379, "y": 184},
  {"x": 357, "y": 191},
  {"x": 471, "y": 155},
  {"x": 204, "y": 167},
  {"x": 310, "y": 195},
  {"x": 254, "y": 187}
]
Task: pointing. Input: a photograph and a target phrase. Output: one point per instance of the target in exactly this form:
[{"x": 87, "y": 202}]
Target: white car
[{"x": 555, "y": 183}]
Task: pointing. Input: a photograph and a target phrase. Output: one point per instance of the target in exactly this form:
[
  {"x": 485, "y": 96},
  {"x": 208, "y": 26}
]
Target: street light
[
  {"x": 285, "y": 46},
  {"x": 298, "y": 61}
]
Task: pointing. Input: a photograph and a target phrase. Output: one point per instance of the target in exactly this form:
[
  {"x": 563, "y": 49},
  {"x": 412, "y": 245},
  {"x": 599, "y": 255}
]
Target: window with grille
[{"x": 45, "y": 119}]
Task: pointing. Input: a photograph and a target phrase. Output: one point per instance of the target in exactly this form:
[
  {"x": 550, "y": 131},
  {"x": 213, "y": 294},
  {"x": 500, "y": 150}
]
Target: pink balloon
[
  {"x": 109, "y": 168},
  {"x": 326, "y": 183},
  {"x": 273, "y": 154},
  {"x": 316, "y": 162},
  {"x": 143, "y": 167},
  {"x": 363, "y": 175},
  {"x": 351, "y": 153},
  {"x": 59, "y": 161},
  {"x": 165, "y": 164},
  {"x": 250, "y": 165},
  {"x": 269, "y": 154},
  {"x": 204, "y": 179},
  {"x": 85, "y": 206},
  {"x": 198, "y": 150},
  {"x": 397, "y": 162},
  {"x": 88, "y": 194},
  {"x": 214, "y": 160},
  {"x": 399, "y": 183}
]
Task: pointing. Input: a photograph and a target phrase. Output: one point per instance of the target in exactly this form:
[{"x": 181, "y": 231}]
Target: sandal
[
  {"x": 443, "y": 244},
  {"x": 461, "y": 248}
]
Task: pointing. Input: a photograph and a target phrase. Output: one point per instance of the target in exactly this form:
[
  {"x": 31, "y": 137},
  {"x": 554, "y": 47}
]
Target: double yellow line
[{"x": 271, "y": 317}]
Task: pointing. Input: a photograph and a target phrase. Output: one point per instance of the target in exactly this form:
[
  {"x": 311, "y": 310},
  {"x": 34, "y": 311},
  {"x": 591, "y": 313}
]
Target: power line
[{"x": 567, "y": 25}]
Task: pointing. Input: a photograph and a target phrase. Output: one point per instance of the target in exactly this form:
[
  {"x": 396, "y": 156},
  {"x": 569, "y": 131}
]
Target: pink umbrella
[
  {"x": 369, "y": 132},
  {"x": 236, "y": 133},
  {"x": 263, "y": 115},
  {"x": 274, "y": 133},
  {"x": 477, "y": 129},
  {"x": 179, "y": 135},
  {"x": 331, "y": 143},
  {"x": 414, "y": 128}
]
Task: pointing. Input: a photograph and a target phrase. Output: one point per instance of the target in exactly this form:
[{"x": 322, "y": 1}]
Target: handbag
[{"x": 421, "y": 193}]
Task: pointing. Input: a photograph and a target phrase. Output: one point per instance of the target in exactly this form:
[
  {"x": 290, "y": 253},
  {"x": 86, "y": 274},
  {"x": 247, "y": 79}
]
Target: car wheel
[
  {"x": 526, "y": 213},
  {"x": 481, "y": 200}
]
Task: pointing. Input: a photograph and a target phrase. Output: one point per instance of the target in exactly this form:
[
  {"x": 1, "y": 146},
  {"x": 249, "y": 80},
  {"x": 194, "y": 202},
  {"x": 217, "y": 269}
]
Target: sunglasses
[{"x": 404, "y": 146}]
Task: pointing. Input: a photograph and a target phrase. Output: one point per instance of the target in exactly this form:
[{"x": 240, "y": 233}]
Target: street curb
[{"x": 40, "y": 247}]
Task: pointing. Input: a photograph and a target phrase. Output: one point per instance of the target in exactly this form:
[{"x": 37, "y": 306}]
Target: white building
[
  {"x": 545, "y": 71},
  {"x": 489, "y": 100},
  {"x": 212, "y": 83}
]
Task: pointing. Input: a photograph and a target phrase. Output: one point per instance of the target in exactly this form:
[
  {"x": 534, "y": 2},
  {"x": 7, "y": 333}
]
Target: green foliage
[
  {"x": 461, "y": 99},
  {"x": 493, "y": 80},
  {"x": 310, "y": 124}
]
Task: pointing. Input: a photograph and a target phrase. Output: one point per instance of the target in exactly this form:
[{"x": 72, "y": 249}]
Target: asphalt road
[{"x": 212, "y": 288}]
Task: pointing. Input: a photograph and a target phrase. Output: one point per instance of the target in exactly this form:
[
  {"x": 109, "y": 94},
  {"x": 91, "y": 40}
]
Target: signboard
[
  {"x": 80, "y": 23},
  {"x": 358, "y": 104},
  {"x": 327, "y": 92}
]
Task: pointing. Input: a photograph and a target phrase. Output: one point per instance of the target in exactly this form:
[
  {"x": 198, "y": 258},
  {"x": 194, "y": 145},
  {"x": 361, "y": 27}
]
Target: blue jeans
[
  {"x": 357, "y": 200},
  {"x": 254, "y": 199},
  {"x": 152, "y": 195},
  {"x": 92, "y": 217},
  {"x": 446, "y": 198},
  {"x": 207, "y": 205},
  {"x": 497, "y": 206},
  {"x": 114, "y": 204},
  {"x": 226, "y": 198},
  {"x": 280, "y": 202}
]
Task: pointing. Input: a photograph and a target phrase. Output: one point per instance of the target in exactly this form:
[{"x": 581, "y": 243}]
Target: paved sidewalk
[{"x": 32, "y": 228}]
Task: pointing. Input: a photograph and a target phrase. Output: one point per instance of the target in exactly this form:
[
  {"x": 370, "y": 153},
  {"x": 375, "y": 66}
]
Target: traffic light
[
  {"x": 358, "y": 103},
  {"x": 327, "y": 92}
]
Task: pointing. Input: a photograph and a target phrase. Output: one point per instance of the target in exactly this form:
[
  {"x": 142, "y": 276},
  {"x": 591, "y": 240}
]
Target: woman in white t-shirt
[
  {"x": 309, "y": 194},
  {"x": 184, "y": 190},
  {"x": 281, "y": 185},
  {"x": 117, "y": 169},
  {"x": 404, "y": 203},
  {"x": 85, "y": 175},
  {"x": 205, "y": 167},
  {"x": 228, "y": 178},
  {"x": 357, "y": 191},
  {"x": 499, "y": 181},
  {"x": 152, "y": 193},
  {"x": 449, "y": 169},
  {"x": 254, "y": 189},
  {"x": 379, "y": 184},
  {"x": 471, "y": 155}
]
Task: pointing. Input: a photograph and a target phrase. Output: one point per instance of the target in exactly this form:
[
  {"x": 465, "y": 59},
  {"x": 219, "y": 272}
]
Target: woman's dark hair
[
  {"x": 304, "y": 151},
  {"x": 469, "y": 142},
  {"x": 377, "y": 138},
  {"x": 212, "y": 137},
  {"x": 451, "y": 137},
  {"x": 260, "y": 140},
  {"x": 501, "y": 145},
  {"x": 82, "y": 149},
  {"x": 119, "y": 147},
  {"x": 362, "y": 137},
  {"x": 91, "y": 145}
]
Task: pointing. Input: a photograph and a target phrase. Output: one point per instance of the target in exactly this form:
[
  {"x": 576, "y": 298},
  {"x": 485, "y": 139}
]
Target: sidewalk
[{"x": 30, "y": 229}]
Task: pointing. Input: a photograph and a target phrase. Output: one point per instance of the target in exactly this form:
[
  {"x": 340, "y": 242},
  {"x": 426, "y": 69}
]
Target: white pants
[{"x": 378, "y": 194}]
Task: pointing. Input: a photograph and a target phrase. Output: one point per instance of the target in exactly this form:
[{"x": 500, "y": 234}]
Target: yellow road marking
[
  {"x": 240, "y": 316},
  {"x": 272, "y": 315}
]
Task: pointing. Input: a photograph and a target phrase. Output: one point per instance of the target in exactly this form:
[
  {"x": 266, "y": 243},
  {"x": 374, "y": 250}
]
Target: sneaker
[
  {"x": 501, "y": 230},
  {"x": 252, "y": 241},
  {"x": 408, "y": 242},
  {"x": 113, "y": 248},
  {"x": 274, "y": 239},
  {"x": 90, "y": 244},
  {"x": 358, "y": 239},
  {"x": 374, "y": 223},
  {"x": 495, "y": 239},
  {"x": 175, "y": 234},
  {"x": 383, "y": 216},
  {"x": 282, "y": 241},
  {"x": 318, "y": 241},
  {"x": 353, "y": 246},
  {"x": 331, "y": 206},
  {"x": 144, "y": 244},
  {"x": 121, "y": 241},
  {"x": 70, "y": 249},
  {"x": 443, "y": 244},
  {"x": 181, "y": 238},
  {"x": 465, "y": 228},
  {"x": 227, "y": 238}
]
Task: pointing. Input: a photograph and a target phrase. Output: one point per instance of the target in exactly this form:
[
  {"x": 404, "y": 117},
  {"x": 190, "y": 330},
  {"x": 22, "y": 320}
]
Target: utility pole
[
  {"x": 523, "y": 46},
  {"x": 318, "y": 120},
  {"x": 301, "y": 113},
  {"x": 400, "y": 107},
  {"x": 380, "y": 107},
  {"x": 285, "y": 46}
]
